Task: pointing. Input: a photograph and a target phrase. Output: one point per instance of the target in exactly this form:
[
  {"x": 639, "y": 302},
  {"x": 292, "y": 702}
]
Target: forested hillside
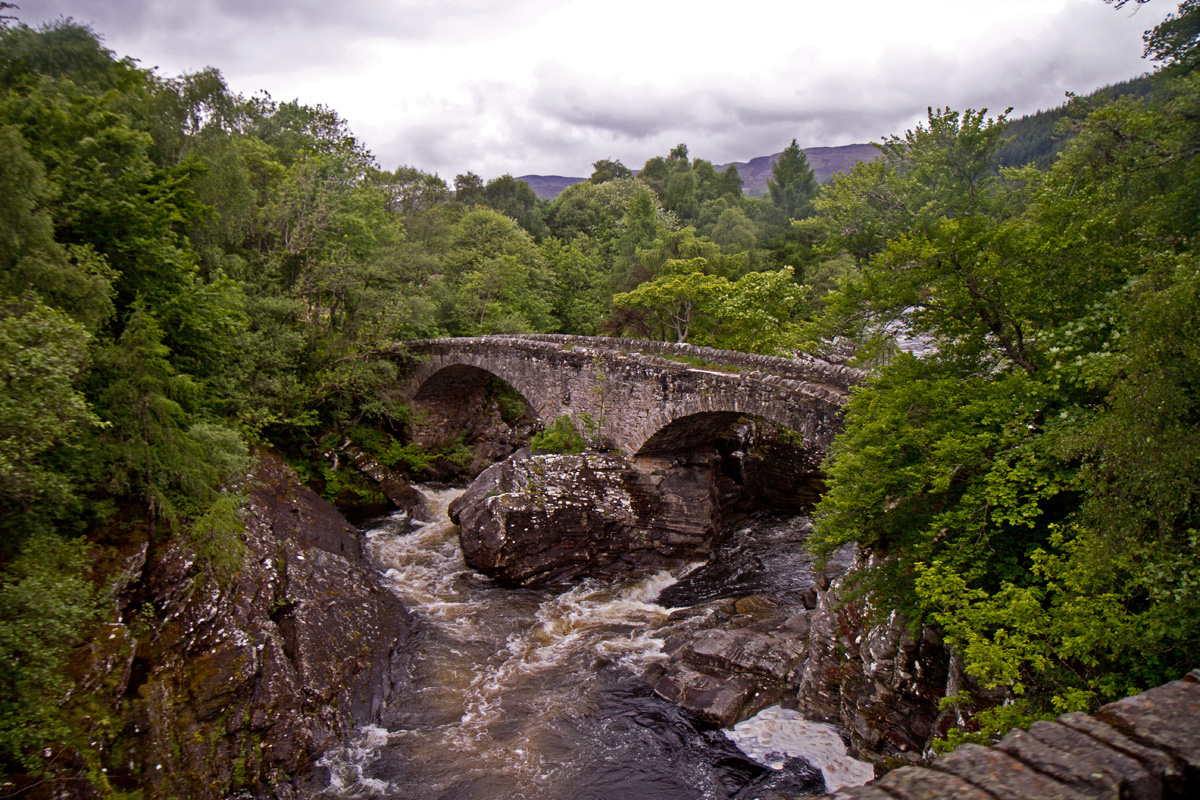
[
  {"x": 1030, "y": 484},
  {"x": 186, "y": 273}
]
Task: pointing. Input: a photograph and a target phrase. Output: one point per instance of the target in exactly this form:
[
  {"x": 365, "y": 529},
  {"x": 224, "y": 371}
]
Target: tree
[
  {"x": 1176, "y": 40},
  {"x": 754, "y": 314},
  {"x": 734, "y": 231},
  {"x": 515, "y": 200},
  {"x": 74, "y": 279},
  {"x": 47, "y": 605},
  {"x": 1022, "y": 484},
  {"x": 42, "y": 357},
  {"x": 606, "y": 170},
  {"x": 154, "y": 450},
  {"x": 675, "y": 299},
  {"x": 468, "y": 188},
  {"x": 793, "y": 185}
]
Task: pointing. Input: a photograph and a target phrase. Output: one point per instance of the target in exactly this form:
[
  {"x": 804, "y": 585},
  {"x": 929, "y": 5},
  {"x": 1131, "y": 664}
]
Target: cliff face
[
  {"x": 880, "y": 682},
  {"x": 240, "y": 685}
]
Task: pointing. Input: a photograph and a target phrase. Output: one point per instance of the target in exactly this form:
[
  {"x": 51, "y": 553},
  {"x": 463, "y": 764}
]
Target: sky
[{"x": 550, "y": 86}]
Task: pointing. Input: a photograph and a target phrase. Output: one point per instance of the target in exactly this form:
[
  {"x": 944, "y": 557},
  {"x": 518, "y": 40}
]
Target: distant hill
[
  {"x": 825, "y": 162},
  {"x": 1035, "y": 139},
  {"x": 548, "y": 186}
]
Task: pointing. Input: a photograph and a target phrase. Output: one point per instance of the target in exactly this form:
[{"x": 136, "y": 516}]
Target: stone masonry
[
  {"x": 640, "y": 398},
  {"x": 1145, "y": 747}
]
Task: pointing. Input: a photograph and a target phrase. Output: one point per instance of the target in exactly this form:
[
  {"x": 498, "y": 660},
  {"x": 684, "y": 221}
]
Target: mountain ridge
[{"x": 825, "y": 161}]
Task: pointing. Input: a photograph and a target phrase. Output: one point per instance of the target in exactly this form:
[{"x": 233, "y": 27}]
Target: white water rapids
[{"x": 521, "y": 693}]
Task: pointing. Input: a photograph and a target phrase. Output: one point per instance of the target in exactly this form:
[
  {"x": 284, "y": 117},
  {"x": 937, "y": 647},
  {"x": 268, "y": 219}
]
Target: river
[{"x": 539, "y": 694}]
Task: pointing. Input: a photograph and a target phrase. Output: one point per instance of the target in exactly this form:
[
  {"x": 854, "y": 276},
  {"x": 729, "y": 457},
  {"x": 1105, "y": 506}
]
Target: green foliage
[
  {"x": 1028, "y": 483},
  {"x": 1176, "y": 40},
  {"x": 687, "y": 304},
  {"x": 184, "y": 267},
  {"x": 508, "y": 402},
  {"x": 71, "y": 278},
  {"x": 515, "y": 200},
  {"x": 674, "y": 300},
  {"x": 42, "y": 355},
  {"x": 410, "y": 458},
  {"x": 606, "y": 170},
  {"x": 754, "y": 314},
  {"x": 47, "y": 606},
  {"x": 216, "y": 537},
  {"x": 561, "y": 437}
]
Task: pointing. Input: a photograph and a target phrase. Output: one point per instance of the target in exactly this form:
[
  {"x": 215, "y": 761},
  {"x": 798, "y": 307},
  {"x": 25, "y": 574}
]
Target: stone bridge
[{"x": 641, "y": 398}]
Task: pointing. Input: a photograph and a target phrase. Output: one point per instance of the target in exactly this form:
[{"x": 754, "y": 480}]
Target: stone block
[
  {"x": 1135, "y": 779},
  {"x": 1161, "y": 766},
  {"x": 916, "y": 783},
  {"x": 1166, "y": 717},
  {"x": 1076, "y": 771},
  {"x": 867, "y": 792},
  {"x": 718, "y": 700},
  {"x": 1002, "y": 776}
]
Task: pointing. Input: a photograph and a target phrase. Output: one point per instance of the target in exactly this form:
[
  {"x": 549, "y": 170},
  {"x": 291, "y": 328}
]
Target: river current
[{"x": 539, "y": 694}]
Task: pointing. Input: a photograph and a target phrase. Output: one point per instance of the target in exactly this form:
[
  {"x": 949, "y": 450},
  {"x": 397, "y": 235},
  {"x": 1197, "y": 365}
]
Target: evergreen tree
[{"x": 793, "y": 184}]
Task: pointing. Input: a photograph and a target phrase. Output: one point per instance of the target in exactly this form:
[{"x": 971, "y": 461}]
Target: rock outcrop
[
  {"x": 550, "y": 518},
  {"x": 745, "y": 662},
  {"x": 237, "y": 684},
  {"x": 879, "y": 682},
  {"x": 818, "y": 651}
]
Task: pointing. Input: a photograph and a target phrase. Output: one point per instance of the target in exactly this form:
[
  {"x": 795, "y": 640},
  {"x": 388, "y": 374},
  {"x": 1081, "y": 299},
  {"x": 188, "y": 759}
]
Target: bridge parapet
[
  {"x": 805, "y": 368},
  {"x": 629, "y": 390}
]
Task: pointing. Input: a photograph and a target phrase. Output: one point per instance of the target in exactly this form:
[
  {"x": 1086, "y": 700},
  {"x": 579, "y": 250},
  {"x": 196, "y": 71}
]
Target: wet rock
[
  {"x": 877, "y": 681},
  {"x": 797, "y": 778},
  {"x": 393, "y": 485},
  {"x": 550, "y": 518},
  {"x": 747, "y": 652},
  {"x": 245, "y": 682},
  {"x": 719, "y": 700},
  {"x": 797, "y": 624},
  {"x": 756, "y": 658}
]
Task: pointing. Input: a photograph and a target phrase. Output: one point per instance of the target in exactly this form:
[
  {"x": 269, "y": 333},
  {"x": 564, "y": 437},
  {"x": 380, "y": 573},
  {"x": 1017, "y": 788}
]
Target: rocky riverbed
[
  {"x": 641, "y": 627},
  {"x": 772, "y": 634}
]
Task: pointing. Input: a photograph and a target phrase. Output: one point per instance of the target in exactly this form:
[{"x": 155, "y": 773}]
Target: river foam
[{"x": 775, "y": 733}]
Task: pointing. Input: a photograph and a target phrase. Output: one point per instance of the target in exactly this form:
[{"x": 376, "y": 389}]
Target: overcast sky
[{"x": 550, "y": 86}]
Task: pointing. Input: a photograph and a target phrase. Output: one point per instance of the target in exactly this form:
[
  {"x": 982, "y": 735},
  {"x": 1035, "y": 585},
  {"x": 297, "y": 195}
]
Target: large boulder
[{"x": 550, "y": 518}]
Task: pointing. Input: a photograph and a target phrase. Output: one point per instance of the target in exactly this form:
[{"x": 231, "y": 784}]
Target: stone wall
[
  {"x": 1145, "y": 747},
  {"x": 803, "y": 368}
]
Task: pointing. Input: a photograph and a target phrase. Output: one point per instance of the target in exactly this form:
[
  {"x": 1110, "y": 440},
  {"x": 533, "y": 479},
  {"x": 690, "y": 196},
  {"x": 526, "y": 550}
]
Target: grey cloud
[
  {"x": 239, "y": 36},
  {"x": 567, "y": 118}
]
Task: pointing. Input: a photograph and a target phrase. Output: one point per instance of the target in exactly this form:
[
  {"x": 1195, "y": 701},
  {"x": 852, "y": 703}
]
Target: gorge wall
[{"x": 237, "y": 685}]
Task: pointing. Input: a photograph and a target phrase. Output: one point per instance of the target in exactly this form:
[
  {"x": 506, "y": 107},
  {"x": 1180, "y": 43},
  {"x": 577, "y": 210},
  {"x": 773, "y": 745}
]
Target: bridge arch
[{"x": 473, "y": 406}]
